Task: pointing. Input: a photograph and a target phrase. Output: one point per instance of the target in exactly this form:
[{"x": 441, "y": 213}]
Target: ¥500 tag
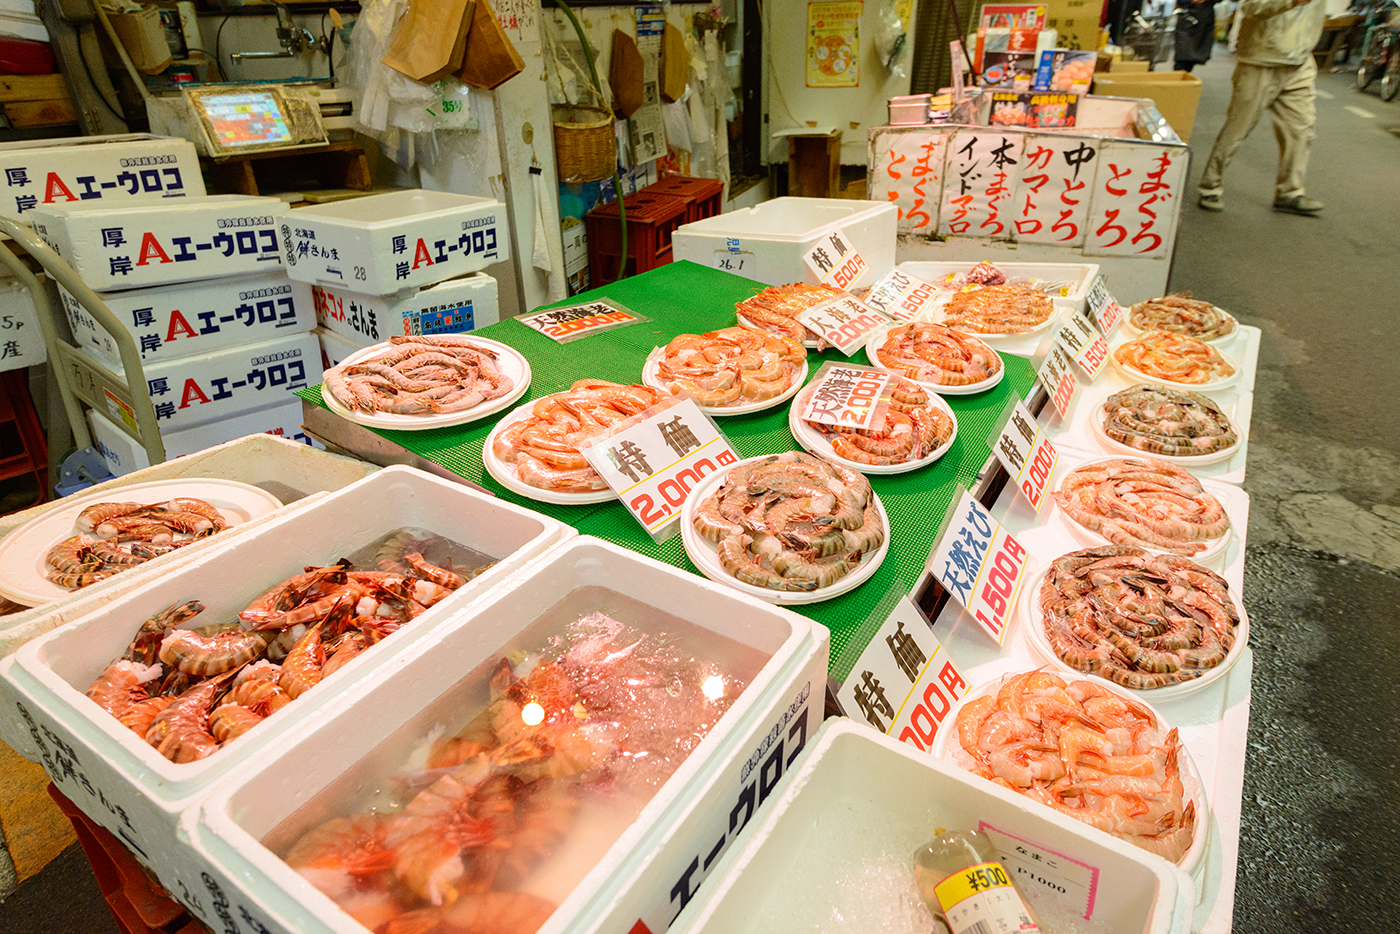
[{"x": 835, "y": 261}]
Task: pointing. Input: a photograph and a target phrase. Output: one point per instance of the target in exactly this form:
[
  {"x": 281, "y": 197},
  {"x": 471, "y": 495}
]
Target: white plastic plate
[
  {"x": 506, "y": 476},
  {"x": 936, "y": 315},
  {"x": 508, "y": 360},
  {"x": 1136, "y": 375},
  {"x": 1096, "y": 420},
  {"x": 872, "y": 350},
  {"x": 704, "y": 553},
  {"x": 652, "y": 378},
  {"x": 817, "y": 443},
  {"x": 24, "y": 552}
]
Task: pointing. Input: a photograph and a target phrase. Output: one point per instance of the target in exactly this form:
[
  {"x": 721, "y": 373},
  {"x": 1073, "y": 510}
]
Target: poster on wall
[
  {"x": 833, "y": 44},
  {"x": 1135, "y": 202},
  {"x": 647, "y": 127}
]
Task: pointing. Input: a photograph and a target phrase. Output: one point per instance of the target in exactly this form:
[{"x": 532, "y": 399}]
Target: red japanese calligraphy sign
[
  {"x": 1055, "y": 189},
  {"x": 907, "y": 169},
  {"x": 979, "y": 184},
  {"x": 1137, "y": 191}
]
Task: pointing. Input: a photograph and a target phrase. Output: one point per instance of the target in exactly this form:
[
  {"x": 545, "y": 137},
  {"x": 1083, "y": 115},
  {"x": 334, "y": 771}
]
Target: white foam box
[
  {"x": 1076, "y": 277},
  {"x": 452, "y": 307},
  {"x": 196, "y": 317},
  {"x": 86, "y": 170},
  {"x": 772, "y": 238},
  {"x": 128, "y": 246},
  {"x": 193, "y": 390},
  {"x": 124, "y": 453},
  {"x": 845, "y": 825},
  {"x": 382, "y": 244},
  {"x": 135, "y": 792},
  {"x": 723, "y": 784},
  {"x": 336, "y": 347}
]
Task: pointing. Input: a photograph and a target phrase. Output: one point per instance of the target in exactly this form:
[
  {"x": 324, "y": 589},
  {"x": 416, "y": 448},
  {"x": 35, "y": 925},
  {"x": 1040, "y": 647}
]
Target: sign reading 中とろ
[
  {"x": 1057, "y": 376},
  {"x": 1103, "y": 306},
  {"x": 1085, "y": 344},
  {"x": 654, "y": 463},
  {"x": 574, "y": 321},
  {"x": 901, "y": 296},
  {"x": 903, "y": 684},
  {"x": 1025, "y": 452},
  {"x": 835, "y": 261},
  {"x": 1056, "y": 185},
  {"x": 845, "y": 396},
  {"x": 845, "y": 323},
  {"x": 980, "y": 565}
]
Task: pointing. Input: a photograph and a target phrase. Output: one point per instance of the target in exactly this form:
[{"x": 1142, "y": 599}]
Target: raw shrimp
[
  {"x": 121, "y": 685},
  {"x": 1143, "y": 502},
  {"x": 450, "y": 374},
  {"x": 180, "y": 732},
  {"x": 733, "y": 366},
  {"x": 775, "y": 309},
  {"x": 1168, "y": 422},
  {"x": 124, "y": 535},
  {"x": 937, "y": 355},
  {"x": 998, "y": 309},
  {"x": 912, "y": 429},
  {"x": 1181, "y": 314},
  {"x": 1174, "y": 358}
]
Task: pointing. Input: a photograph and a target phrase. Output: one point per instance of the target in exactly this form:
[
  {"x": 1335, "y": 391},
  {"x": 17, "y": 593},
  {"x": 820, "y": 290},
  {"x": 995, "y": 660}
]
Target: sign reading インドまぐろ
[
  {"x": 1025, "y": 452},
  {"x": 980, "y": 565},
  {"x": 835, "y": 261}
]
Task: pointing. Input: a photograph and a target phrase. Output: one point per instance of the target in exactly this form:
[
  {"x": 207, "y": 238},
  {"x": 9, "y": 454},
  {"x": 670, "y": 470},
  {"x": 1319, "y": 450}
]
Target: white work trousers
[{"x": 1289, "y": 94}]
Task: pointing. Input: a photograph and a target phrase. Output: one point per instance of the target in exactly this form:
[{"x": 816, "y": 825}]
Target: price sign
[
  {"x": 1057, "y": 376},
  {"x": 574, "y": 321},
  {"x": 835, "y": 261},
  {"x": 903, "y": 684},
  {"x": 1102, "y": 306},
  {"x": 979, "y": 564},
  {"x": 901, "y": 296},
  {"x": 1026, "y": 453},
  {"x": 1085, "y": 344},
  {"x": 846, "y": 396},
  {"x": 846, "y": 323},
  {"x": 654, "y": 463},
  {"x": 1039, "y": 870},
  {"x": 21, "y": 341}
]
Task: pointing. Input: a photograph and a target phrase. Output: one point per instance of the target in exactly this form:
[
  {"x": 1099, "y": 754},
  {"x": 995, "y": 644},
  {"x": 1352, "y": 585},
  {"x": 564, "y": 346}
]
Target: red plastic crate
[
  {"x": 138, "y": 903},
  {"x": 704, "y": 197},
  {"x": 651, "y": 219}
]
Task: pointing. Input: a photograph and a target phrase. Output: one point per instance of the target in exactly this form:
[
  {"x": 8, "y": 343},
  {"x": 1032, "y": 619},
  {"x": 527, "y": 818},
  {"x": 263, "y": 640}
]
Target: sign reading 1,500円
[{"x": 979, "y": 564}]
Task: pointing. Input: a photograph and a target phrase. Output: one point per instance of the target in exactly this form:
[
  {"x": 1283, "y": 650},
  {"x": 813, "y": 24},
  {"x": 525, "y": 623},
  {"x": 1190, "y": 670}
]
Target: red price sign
[
  {"x": 901, "y": 296},
  {"x": 1085, "y": 344},
  {"x": 835, "y": 261},
  {"x": 979, "y": 564},
  {"x": 1026, "y": 453},
  {"x": 1103, "y": 306},
  {"x": 845, "y": 323},
  {"x": 1056, "y": 375},
  {"x": 1093, "y": 357},
  {"x": 993, "y": 603}
]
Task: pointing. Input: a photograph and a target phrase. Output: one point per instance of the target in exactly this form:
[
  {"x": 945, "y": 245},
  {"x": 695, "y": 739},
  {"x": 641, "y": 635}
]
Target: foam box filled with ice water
[
  {"x": 721, "y": 786},
  {"x": 1071, "y": 281},
  {"x": 452, "y": 307},
  {"x": 118, "y": 246},
  {"x": 769, "y": 241},
  {"x": 130, "y": 788},
  {"x": 129, "y": 167},
  {"x": 838, "y": 843},
  {"x": 197, "y": 317},
  {"x": 382, "y": 244}
]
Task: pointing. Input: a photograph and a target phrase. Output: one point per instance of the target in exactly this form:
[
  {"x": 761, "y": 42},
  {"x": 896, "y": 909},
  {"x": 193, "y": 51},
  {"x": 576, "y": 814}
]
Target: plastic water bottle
[{"x": 964, "y": 884}]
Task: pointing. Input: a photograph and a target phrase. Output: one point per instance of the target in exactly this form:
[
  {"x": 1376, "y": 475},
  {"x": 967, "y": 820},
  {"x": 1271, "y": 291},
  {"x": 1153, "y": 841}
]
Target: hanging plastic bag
[{"x": 891, "y": 36}]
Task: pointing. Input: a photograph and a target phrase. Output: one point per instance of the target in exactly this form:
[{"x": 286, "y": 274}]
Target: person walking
[
  {"x": 1195, "y": 33},
  {"x": 1274, "y": 71}
]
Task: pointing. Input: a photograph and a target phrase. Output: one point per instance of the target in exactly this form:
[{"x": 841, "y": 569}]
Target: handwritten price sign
[
  {"x": 846, "y": 323},
  {"x": 654, "y": 463},
  {"x": 901, "y": 296},
  {"x": 979, "y": 564},
  {"x": 1085, "y": 344},
  {"x": 903, "y": 684},
  {"x": 835, "y": 261},
  {"x": 569, "y": 324},
  {"x": 1026, "y": 453},
  {"x": 846, "y": 396},
  {"x": 1103, "y": 306},
  {"x": 1057, "y": 376}
]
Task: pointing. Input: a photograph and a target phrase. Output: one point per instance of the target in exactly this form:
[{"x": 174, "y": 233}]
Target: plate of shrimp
[
  {"x": 1176, "y": 360},
  {"x": 919, "y": 429},
  {"x": 937, "y": 357},
  {"x": 776, "y": 307},
  {"x": 732, "y": 371},
  {"x": 416, "y": 383},
  {"x": 534, "y": 451},
  {"x": 788, "y": 528}
]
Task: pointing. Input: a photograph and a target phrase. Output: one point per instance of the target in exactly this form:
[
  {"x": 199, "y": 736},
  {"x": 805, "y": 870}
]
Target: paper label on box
[
  {"x": 1057, "y": 376},
  {"x": 1103, "y": 306},
  {"x": 904, "y": 683},
  {"x": 845, "y": 323},
  {"x": 21, "y": 341},
  {"x": 845, "y": 396},
  {"x": 575, "y": 321},
  {"x": 1025, "y": 452},
  {"x": 980, "y": 565},
  {"x": 654, "y": 463},
  {"x": 1039, "y": 871},
  {"x": 901, "y": 296},
  {"x": 736, "y": 262},
  {"x": 835, "y": 261}
]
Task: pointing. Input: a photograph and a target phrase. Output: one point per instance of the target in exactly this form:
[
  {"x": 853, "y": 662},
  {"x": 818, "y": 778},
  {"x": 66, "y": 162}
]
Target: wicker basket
[{"x": 585, "y": 145}]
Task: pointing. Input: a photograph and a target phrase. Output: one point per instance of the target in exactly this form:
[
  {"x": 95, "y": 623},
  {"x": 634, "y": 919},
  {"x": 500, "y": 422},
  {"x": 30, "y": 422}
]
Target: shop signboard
[{"x": 980, "y": 182}]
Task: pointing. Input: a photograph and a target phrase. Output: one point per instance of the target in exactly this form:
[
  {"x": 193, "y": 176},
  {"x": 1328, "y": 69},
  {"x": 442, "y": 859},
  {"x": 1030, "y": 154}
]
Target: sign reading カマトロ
[
  {"x": 845, "y": 396},
  {"x": 1025, "y": 452},
  {"x": 980, "y": 565},
  {"x": 574, "y": 321},
  {"x": 835, "y": 261},
  {"x": 845, "y": 323}
]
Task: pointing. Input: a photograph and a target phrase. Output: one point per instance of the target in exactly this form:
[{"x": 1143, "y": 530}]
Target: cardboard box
[
  {"x": 1115, "y": 62},
  {"x": 1077, "y": 22},
  {"x": 1176, "y": 94},
  {"x": 123, "y": 247},
  {"x": 192, "y": 390},
  {"x": 383, "y": 244},
  {"x": 199, "y": 317},
  {"x": 124, "y": 453},
  {"x": 452, "y": 307},
  {"x": 130, "y": 167}
]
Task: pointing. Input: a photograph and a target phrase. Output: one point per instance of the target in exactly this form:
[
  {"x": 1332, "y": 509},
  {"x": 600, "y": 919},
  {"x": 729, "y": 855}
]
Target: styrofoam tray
[
  {"x": 705, "y": 555},
  {"x": 1133, "y": 331},
  {"x": 947, "y": 747},
  {"x": 509, "y": 360},
  {"x": 817, "y": 443},
  {"x": 652, "y": 377},
  {"x": 24, "y": 551},
  {"x": 831, "y": 854},
  {"x": 872, "y": 350},
  {"x": 50, "y": 675},
  {"x": 1138, "y": 376},
  {"x": 292, "y": 788},
  {"x": 506, "y": 476}
]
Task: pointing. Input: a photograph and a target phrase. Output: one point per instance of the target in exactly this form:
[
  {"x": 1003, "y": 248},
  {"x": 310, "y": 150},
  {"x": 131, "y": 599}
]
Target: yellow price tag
[{"x": 966, "y": 883}]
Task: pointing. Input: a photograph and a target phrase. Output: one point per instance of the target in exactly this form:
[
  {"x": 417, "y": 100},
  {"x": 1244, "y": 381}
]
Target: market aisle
[{"x": 1324, "y": 481}]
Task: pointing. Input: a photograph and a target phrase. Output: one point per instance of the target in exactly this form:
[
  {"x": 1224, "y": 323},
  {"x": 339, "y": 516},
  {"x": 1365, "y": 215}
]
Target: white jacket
[{"x": 1275, "y": 32}]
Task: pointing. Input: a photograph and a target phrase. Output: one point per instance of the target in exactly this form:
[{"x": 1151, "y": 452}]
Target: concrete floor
[{"x": 1318, "y": 844}]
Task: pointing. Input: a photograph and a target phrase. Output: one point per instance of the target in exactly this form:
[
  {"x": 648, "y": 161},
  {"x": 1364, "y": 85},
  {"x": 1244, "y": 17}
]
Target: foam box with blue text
[{"x": 452, "y": 307}]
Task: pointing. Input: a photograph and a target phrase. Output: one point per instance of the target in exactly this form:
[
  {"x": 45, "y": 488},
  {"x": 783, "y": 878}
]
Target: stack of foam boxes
[
  {"x": 405, "y": 263},
  {"x": 224, "y": 335}
]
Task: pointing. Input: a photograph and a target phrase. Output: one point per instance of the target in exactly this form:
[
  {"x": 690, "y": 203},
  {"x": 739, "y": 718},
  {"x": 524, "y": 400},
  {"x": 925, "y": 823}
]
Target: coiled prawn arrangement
[
  {"x": 1167, "y": 422},
  {"x": 1143, "y": 502},
  {"x": 1181, "y": 314},
  {"x": 998, "y": 309},
  {"x": 428, "y": 375},
  {"x": 776, "y": 307},
  {"x": 116, "y": 536},
  {"x": 937, "y": 355},
  {"x": 913, "y": 428}
]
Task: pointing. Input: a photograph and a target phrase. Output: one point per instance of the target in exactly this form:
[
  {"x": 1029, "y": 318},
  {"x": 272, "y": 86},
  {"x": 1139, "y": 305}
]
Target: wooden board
[
  {"x": 32, "y": 87},
  {"x": 40, "y": 113}
]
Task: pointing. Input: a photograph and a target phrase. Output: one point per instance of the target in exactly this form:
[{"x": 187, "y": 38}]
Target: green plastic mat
[{"x": 687, "y": 298}]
